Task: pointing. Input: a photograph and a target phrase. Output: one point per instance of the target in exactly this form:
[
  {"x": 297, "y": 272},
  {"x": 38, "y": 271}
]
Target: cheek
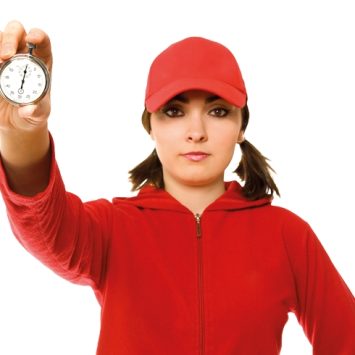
[
  {"x": 160, "y": 127},
  {"x": 165, "y": 145},
  {"x": 166, "y": 136},
  {"x": 225, "y": 138},
  {"x": 224, "y": 144},
  {"x": 227, "y": 153}
]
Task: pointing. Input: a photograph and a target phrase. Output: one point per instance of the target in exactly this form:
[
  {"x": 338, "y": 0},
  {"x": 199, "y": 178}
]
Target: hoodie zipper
[{"x": 200, "y": 284}]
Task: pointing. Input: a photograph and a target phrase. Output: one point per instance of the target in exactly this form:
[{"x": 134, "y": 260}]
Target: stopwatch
[{"x": 24, "y": 78}]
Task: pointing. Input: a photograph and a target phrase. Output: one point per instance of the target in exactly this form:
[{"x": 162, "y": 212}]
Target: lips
[{"x": 196, "y": 156}]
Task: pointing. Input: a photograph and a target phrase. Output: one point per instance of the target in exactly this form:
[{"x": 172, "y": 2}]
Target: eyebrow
[{"x": 185, "y": 100}]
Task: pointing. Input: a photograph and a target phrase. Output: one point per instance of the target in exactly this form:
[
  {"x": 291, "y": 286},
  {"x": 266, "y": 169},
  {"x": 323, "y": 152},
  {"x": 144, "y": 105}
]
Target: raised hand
[{"x": 14, "y": 40}]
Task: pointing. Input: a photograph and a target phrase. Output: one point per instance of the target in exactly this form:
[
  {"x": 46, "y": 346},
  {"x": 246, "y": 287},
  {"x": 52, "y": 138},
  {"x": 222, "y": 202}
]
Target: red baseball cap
[{"x": 194, "y": 63}]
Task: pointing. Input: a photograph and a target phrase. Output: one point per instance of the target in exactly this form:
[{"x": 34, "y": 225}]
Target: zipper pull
[{"x": 198, "y": 225}]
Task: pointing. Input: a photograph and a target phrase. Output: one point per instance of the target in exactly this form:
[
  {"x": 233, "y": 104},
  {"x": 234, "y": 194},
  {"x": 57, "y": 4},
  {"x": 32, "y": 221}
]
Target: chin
[{"x": 200, "y": 180}]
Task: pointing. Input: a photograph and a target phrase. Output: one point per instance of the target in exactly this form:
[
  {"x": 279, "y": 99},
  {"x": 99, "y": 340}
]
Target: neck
[{"x": 195, "y": 198}]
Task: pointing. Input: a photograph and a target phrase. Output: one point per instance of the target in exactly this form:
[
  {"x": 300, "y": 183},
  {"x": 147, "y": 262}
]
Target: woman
[{"x": 193, "y": 264}]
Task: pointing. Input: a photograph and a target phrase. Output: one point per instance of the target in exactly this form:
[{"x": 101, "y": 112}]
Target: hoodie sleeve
[
  {"x": 325, "y": 305},
  {"x": 55, "y": 226}
]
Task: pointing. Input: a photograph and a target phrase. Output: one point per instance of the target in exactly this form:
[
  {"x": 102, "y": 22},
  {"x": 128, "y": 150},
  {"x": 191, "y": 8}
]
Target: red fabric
[{"x": 165, "y": 290}]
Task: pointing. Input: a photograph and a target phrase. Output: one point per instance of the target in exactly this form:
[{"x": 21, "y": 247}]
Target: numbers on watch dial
[{"x": 23, "y": 80}]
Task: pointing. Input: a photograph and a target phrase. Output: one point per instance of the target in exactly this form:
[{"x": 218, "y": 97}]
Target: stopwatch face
[{"x": 24, "y": 79}]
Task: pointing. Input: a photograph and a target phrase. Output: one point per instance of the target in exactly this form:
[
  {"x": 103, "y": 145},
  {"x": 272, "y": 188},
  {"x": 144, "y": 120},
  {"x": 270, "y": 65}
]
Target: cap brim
[{"x": 224, "y": 90}]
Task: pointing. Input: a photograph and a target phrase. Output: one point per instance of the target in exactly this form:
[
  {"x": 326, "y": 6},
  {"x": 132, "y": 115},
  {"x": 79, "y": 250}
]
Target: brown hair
[{"x": 253, "y": 167}]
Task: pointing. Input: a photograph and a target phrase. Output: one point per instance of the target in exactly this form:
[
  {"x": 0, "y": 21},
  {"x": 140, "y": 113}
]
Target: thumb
[
  {"x": 27, "y": 111},
  {"x": 37, "y": 114}
]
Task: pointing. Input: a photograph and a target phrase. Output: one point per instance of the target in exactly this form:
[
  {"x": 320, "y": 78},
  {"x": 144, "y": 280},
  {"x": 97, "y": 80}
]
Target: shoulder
[
  {"x": 285, "y": 214},
  {"x": 296, "y": 233},
  {"x": 287, "y": 220}
]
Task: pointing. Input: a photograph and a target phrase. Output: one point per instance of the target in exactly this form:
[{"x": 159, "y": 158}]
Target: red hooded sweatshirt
[{"x": 173, "y": 283}]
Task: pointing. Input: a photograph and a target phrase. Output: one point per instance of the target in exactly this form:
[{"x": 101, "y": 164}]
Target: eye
[
  {"x": 172, "y": 111},
  {"x": 219, "y": 112}
]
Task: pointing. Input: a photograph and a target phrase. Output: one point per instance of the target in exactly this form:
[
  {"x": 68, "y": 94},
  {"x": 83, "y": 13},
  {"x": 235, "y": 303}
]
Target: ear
[
  {"x": 241, "y": 137},
  {"x": 152, "y": 135}
]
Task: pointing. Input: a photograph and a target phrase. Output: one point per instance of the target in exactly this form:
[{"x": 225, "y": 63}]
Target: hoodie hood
[{"x": 150, "y": 197}]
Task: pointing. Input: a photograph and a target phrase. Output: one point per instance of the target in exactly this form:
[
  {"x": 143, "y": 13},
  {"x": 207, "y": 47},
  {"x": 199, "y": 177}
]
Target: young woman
[{"x": 193, "y": 264}]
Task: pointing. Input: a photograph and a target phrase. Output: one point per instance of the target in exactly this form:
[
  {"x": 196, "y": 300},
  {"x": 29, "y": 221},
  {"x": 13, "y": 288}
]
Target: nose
[{"x": 196, "y": 130}]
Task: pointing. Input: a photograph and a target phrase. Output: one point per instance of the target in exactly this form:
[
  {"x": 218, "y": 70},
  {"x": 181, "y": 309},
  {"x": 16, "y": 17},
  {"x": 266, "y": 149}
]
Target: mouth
[{"x": 196, "y": 156}]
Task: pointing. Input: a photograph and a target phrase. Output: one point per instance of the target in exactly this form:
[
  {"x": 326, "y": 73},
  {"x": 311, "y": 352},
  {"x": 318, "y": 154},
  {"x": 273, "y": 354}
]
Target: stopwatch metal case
[{"x": 33, "y": 59}]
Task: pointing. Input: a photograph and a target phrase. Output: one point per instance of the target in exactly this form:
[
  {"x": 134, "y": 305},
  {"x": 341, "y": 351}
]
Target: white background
[{"x": 297, "y": 58}]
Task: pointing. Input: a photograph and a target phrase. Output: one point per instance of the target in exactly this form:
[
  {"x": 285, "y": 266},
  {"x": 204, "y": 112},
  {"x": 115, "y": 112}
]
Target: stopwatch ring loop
[{"x": 31, "y": 47}]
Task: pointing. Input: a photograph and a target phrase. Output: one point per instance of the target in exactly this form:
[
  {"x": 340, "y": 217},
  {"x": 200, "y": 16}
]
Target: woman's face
[{"x": 195, "y": 135}]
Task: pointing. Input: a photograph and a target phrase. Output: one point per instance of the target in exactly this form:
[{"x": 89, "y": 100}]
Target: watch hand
[{"x": 23, "y": 79}]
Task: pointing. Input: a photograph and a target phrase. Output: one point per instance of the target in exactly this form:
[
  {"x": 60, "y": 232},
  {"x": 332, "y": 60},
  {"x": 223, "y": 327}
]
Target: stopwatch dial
[{"x": 23, "y": 80}]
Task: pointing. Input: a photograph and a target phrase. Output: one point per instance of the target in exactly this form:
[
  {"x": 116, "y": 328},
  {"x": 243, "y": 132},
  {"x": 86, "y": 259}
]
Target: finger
[
  {"x": 43, "y": 45},
  {"x": 13, "y": 39}
]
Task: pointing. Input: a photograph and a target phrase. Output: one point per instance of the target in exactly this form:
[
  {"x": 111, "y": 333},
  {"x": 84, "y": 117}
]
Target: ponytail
[
  {"x": 149, "y": 171},
  {"x": 253, "y": 168}
]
